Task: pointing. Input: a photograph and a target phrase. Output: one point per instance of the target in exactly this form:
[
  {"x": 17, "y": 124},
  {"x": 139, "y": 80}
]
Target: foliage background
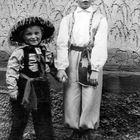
[{"x": 123, "y": 18}]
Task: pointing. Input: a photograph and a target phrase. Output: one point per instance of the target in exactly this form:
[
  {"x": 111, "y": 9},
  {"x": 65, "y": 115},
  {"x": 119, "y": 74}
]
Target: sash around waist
[{"x": 79, "y": 48}]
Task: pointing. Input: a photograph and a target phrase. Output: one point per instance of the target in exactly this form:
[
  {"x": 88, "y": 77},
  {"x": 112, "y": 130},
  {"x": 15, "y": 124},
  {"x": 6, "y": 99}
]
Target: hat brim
[{"x": 46, "y": 26}]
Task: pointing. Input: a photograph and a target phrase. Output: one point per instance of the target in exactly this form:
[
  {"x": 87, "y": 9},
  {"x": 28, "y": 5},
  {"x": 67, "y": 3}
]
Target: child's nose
[{"x": 33, "y": 35}]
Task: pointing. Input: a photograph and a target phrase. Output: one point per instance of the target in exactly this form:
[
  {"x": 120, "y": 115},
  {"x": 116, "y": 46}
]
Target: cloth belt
[
  {"x": 84, "y": 69},
  {"x": 77, "y": 48},
  {"x": 29, "y": 100}
]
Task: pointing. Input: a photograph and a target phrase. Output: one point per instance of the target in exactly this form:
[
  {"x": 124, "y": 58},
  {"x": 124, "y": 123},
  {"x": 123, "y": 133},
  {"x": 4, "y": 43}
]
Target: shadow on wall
[{"x": 4, "y": 56}]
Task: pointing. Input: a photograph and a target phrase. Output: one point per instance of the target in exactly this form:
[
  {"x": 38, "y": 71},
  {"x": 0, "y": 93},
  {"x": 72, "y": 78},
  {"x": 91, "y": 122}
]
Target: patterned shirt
[{"x": 16, "y": 63}]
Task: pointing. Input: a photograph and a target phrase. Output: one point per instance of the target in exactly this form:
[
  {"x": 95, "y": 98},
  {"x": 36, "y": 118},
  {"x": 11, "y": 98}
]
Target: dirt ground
[
  {"x": 120, "y": 117},
  {"x": 119, "y": 120}
]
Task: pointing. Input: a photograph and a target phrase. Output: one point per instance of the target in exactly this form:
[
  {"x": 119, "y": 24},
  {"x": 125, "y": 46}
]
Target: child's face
[
  {"x": 84, "y": 4},
  {"x": 32, "y": 35}
]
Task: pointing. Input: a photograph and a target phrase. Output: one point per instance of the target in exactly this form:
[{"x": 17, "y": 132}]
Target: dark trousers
[{"x": 41, "y": 121}]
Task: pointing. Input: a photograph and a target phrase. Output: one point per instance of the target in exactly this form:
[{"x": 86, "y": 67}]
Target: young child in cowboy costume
[
  {"x": 26, "y": 77},
  {"x": 81, "y": 55}
]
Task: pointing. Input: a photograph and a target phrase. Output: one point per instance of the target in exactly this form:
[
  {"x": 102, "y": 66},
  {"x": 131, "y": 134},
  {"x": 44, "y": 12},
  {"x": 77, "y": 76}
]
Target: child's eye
[
  {"x": 36, "y": 33},
  {"x": 28, "y": 34}
]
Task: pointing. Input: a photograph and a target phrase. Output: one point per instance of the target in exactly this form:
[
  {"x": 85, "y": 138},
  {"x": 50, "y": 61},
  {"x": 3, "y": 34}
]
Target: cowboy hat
[{"x": 46, "y": 26}]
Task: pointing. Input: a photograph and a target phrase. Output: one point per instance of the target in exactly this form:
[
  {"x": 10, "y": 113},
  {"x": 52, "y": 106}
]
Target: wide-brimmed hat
[{"x": 20, "y": 26}]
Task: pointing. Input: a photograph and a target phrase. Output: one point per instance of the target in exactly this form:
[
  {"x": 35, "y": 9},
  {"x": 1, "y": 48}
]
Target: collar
[{"x": 88, "y": 10}]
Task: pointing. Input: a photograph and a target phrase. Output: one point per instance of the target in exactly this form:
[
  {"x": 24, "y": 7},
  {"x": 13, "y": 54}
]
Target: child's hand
[
  {"x": 13, "y": 94},
  {"x": 93, "y": 78},
  {"x": 62, "y": 76}
]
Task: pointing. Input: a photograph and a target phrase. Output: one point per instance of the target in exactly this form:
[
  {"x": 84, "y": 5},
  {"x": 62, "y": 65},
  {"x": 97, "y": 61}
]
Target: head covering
[{"x": 15, "y": 33}]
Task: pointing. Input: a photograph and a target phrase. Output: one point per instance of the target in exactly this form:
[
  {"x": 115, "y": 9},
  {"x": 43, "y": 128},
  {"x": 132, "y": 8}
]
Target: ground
[
  {"x": 120, "y": 115},
  {"x": 119, "y": 118}
]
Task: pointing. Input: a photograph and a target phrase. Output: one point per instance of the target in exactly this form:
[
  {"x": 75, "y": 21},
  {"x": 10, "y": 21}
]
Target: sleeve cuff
[{"x": 95, "y": 68}]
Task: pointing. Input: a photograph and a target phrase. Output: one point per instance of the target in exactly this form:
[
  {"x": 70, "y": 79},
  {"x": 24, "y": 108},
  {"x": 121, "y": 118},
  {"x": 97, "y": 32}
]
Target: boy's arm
[
  {"x": 99, "y": 51},
  {"x": 61, "y": 61},
  {"x": 12, "y": 73}
]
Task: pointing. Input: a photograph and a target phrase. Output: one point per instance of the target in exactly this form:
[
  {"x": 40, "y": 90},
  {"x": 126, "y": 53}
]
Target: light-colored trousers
[{"x": 81, "y": 104}]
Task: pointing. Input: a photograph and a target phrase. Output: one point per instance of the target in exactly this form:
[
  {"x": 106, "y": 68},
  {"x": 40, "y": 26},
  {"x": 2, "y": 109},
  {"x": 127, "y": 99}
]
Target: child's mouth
[{"x": 85, "y": 2}]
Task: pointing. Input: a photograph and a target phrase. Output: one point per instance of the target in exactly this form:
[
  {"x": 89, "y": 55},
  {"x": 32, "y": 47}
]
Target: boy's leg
[
  {"x": 91, "y": 101},
  {"x": 42, "y": 121},
  {"x": 72, "y": 103},
  {"x": 19, "y": 120}
]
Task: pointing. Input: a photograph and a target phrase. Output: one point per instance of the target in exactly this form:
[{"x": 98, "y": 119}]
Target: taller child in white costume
[{"x": 81, "y": 55}]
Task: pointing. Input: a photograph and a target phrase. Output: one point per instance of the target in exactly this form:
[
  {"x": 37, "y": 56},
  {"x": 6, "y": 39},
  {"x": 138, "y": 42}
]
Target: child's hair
[{"x": 16, "y": 33}]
